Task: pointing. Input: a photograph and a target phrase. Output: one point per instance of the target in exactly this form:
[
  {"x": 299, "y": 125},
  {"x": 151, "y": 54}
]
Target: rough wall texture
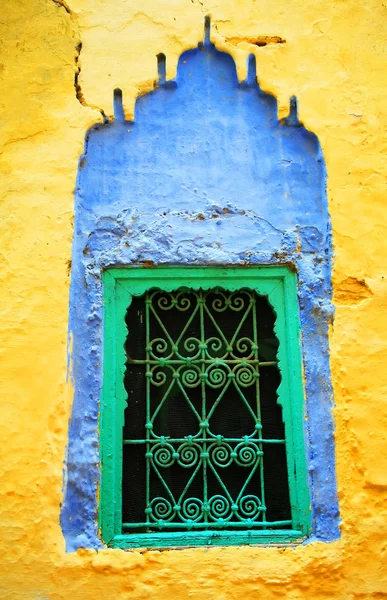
[{"x": 331, "y": 56}]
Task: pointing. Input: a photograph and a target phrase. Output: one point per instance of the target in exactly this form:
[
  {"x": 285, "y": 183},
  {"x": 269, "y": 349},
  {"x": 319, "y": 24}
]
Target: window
[{"x": 202, "y": 409}]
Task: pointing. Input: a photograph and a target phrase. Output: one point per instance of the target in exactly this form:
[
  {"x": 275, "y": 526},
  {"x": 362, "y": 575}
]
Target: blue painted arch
[{"x": 206, "y": 174}]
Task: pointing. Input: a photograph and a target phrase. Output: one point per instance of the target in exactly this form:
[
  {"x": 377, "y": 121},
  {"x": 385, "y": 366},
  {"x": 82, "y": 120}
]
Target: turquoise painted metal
[{"x": 200, "y": 363}]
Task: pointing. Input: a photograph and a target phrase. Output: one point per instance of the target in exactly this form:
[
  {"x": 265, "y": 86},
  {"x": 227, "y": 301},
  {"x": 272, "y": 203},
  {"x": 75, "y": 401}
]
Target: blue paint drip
[{"x": 205, "y": 175}]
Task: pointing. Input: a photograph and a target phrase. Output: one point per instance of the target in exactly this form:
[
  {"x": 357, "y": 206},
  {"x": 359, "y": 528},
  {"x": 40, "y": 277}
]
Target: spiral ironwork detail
[
  {"x": 245, "y": 374},
  {"x": 220, "y": 507},
  {"x": 214, "y": 347},
  {"x": 160, "y": 348},
  {"x": 170, "y": 301},
  {"x": 246, "y": 455},
  {"x": 216, "y": 375},
  {"x": 191, "y": 347},
  {"x": 221, "y": 454},
  {"x": 192, "y": 509},
  {"x": 236, "y": 302},
  {"x": 245, "y": 347},
  {"x": 158, "y": 377},
  {"x": 219, "y": 304},
  {"x": 160, "y": 508},
  {"x": 249, "y": 506},
  {"x": 188, "y": 455},
  {"x": 163, "y": 455},
  {"x": 190, "y": 376}
]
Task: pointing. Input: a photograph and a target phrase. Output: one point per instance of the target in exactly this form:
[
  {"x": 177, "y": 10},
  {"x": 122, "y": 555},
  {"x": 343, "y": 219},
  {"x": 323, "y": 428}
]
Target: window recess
[{"x": 202, "y": 410}]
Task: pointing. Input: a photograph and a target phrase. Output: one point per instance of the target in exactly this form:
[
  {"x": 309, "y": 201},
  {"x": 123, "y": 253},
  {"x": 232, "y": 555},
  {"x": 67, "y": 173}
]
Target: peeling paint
[
  {"x": 352, "y": 291},
  {"x": 259, "y": 40}
]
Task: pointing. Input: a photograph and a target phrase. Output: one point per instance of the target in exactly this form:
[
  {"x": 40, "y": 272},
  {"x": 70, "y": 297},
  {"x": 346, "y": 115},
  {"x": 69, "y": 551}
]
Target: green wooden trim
[
  {"x": 206, "y": 538},
  {"x": 107, "y": 414},
  {"x": 279, "y": 284},
  {"x": 123, "y": 300},
  {"x": 297, "y": 406}
]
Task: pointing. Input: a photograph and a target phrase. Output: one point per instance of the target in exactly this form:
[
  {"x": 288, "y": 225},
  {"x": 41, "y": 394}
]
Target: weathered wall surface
[{"x": 331, "y": 55}]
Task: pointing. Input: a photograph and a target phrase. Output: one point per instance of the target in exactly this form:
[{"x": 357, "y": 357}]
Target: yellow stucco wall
[{"x": 335, "y": 61}]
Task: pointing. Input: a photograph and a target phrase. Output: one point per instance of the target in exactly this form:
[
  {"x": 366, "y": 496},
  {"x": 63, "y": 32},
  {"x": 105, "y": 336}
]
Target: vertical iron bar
[
  {"x": 257, "y": 393},
  {"x": 204, "y": 408},
  {"x": 147, "y": 419}
]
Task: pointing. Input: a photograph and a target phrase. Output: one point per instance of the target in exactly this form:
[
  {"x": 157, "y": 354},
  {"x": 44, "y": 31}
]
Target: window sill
[{"x": 206, "y": 538}]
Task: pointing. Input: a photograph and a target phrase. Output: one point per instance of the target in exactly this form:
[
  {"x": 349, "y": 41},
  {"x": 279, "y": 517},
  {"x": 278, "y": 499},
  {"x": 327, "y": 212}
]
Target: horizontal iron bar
[
  {"x": 194, "y": 440},
  {"x": 197, "y": 361},
  {"x": 208, "y": 526}
]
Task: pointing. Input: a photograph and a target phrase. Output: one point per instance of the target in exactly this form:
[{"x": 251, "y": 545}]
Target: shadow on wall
[{"x": 205, "y": 175}]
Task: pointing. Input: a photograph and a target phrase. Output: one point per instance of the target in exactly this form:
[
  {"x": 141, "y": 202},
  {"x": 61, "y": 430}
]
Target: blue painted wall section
[{"x": 205, "y": 175}]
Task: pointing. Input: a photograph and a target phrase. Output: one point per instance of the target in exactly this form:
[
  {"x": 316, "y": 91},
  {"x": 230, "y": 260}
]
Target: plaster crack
[
  {"x": 77, "y": 86},
  {"x": 203, "y": 7},
  {"x": 23, "y": 138},
  {"x": 63, "y": 4},
  {"x": 259, "y": 40}
]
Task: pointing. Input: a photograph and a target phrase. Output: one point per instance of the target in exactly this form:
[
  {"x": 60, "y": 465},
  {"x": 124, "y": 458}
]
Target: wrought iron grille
[{"x": 204, "y": 443}]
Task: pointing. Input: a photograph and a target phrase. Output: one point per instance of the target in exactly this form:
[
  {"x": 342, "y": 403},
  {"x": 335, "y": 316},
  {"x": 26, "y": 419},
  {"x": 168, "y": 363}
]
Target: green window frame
[{"x": 279, "y": 285}]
